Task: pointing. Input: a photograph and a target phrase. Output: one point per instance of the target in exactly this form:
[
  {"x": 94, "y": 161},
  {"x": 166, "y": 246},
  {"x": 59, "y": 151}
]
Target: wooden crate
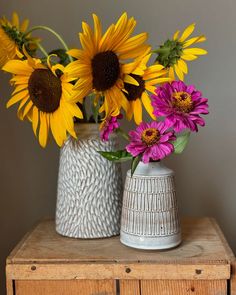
[{"x": 46, "y": 263}]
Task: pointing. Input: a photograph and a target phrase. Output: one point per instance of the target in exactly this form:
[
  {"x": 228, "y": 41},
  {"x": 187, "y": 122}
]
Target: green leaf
[
  {"x": 134, "y": 164},
  {"x": 117, "y": 156},
  {"x": 181, "y": 142}
]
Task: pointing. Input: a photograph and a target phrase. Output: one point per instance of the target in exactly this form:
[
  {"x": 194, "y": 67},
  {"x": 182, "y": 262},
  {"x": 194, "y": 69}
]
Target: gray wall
[{"x": 206, "y": 173}]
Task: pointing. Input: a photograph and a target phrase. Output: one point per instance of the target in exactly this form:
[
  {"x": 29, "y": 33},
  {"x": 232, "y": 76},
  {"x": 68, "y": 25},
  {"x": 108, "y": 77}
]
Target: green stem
[
  {"x": 161, "y": 50},
  {"x": 41, "y": 48},
  {"x": 122, "y": 133},
  {"x": 51, "y": 31}
]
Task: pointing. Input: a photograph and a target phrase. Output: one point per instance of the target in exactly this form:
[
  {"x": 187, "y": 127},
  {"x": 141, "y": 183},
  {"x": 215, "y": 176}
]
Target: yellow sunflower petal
[
  {"x": 147, "y": 104},
  {"x": 137, "y": 51},
  {"x": 97, "y": 29},
  {"x": 194, "y": 40},
  {"x": 129, "y": 79},
  {"x": 20, "y": 88},
  {"x": 159, "y": 80},
  {"x": 188, "y": 57},
  {"x": 137, "y": 111},
  {"x": 80, "y": 94},
  {"x": 87, "y": 43},
  {"x": 106, "y": 38},
  {"x": 27, "y": 108},
  {"x": 123, "y": 100},
  {"x": 171, "y": 73},
  {"x": 43, "y": 130},
  {"x": 17, "y": 97},
  {"x": 24, "y": 25},
  {"x": 57, "y": 127},
  {"x": 176, "y": 35},
  {"x": 128, "y": 67},
  {"x": 35, "y": 119},
  {"x": 68, "y": 119},
  {"x": 179, "y": 72},
  {"x": 76, "y": 53},
  {"x": 15, "y": 20},
  {"x": 130, "y": 111},
  {"x": 187, "y": 32},
  {"x": 126, "y": 32},
  {"x": 74, "y": 110},
  {"x": 20, "y": 111},
  {"x": 150, "y": 88},
  {"x": 119, "y": 29},
  {"x": 195, "y": 51},
  {"x": 133, "y": 42},
  {"x": 54, "y": 124},
  {"x": 183, "y": 66},
  {"x": 17, "y": 67}
]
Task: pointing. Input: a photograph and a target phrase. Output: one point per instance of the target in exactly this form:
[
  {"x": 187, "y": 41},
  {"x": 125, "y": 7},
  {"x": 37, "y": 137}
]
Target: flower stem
[
  {"x": 51, "y": 31},
  {"x": 41, "y": 48},
  {"x": 161, "y": 50}
]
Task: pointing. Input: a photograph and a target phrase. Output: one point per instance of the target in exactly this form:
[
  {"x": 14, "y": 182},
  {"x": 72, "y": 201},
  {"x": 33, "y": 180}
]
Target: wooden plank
[
  {"x": 83, "y": 287},
  {"x": 183, "y": 287},
  {"x": 9, "y": 287},
  {"x": 129, "y": 287},
  {"x": 118, "y": 271},
  {"x": 227, "y": 248},
  {"x": 201, "y": 244},
  {"x": 233, "y": 279}
]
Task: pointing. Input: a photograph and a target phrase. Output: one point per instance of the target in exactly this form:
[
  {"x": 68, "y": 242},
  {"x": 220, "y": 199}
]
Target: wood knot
[
  {"x": 33, "y": 267},
  {"x": 127, "y": 270},
  {"x": 198, "y": 271}
]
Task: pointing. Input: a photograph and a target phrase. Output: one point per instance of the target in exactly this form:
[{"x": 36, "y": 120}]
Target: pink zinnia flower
[
  {"x": 181, "y": 104},
  {"x": 152, "y": 140},
  {"x": 108, "y": 126}
]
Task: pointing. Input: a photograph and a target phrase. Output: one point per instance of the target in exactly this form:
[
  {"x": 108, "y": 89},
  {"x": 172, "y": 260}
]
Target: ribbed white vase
[
  {"x": 89, "y": 194},
  {"x": 150, "y": 217}
]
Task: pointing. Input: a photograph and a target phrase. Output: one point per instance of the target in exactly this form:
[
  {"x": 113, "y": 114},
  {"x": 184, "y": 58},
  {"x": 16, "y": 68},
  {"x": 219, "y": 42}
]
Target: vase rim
[{"x": 87, "y": 128}]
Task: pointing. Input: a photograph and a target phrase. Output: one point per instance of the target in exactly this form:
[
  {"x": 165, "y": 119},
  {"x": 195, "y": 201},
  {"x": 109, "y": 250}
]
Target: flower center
[
  {"x": 134, "y": 91},
  {"x": 182, "y": 101},
  {"x": 150, "y": 136},
  {"x": 45, "y": 90},
  {"x": 105, "y": 70}
]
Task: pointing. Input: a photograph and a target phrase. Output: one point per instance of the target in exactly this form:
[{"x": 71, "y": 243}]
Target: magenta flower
[
  {"x": 108, "y": 126},
  {"x": 152, "y": 140},
  {"x": 181, "y": 104}
]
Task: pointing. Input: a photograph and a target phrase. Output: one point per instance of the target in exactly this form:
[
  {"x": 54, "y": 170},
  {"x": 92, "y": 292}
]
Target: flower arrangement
[{"x": 112, "y": 71}]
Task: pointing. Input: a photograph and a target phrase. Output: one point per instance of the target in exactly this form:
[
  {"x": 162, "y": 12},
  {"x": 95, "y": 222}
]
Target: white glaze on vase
[
  {"x": 90, "y": 188},
  {"x": 149, "y": 213}
]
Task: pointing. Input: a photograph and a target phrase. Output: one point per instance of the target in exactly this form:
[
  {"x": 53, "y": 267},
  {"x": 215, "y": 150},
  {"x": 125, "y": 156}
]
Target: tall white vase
[
  {"x": 149, "y": 214},
  {"x": 89, "y": 194}
]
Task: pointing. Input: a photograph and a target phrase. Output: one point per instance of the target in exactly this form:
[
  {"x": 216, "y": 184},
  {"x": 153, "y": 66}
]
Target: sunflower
[
  {"x": 44, "y": 93},
  {"x": 12, "y": 39},
  {"x": 146, "y": 78},
  {"x": 174, "y": 53},
  {"x": 99, "y": 67}
]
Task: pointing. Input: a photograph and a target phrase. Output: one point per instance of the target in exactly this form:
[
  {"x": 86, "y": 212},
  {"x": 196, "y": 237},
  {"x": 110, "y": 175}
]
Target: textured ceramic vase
[
  {"x": 89, "y": 194},
  {"x": 149, "y": 214}
]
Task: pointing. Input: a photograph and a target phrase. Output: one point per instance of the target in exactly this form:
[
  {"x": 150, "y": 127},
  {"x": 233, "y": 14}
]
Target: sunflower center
[
  {"x": 105, "y": 70},
  {"x": 150, "y": 136},
  {"x": 134, "y": 91},
  {"x": 45, "y": 90},
  {"x": 182, "y": 101}
]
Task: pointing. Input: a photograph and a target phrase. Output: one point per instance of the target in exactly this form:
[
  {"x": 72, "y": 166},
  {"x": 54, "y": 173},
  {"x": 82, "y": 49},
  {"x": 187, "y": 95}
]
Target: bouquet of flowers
[{"x": 112, "y": 74}]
